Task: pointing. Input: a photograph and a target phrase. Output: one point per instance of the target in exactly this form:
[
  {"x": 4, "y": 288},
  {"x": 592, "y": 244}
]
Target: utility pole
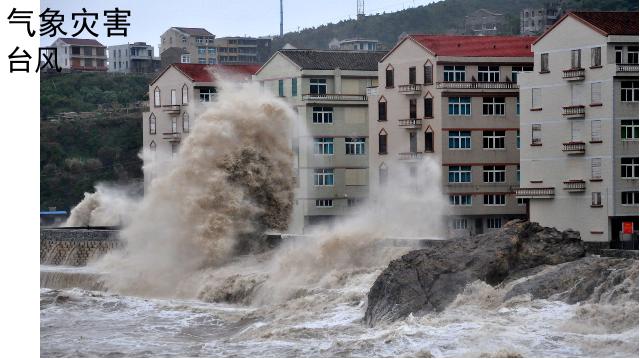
[{"x": 281, "y": 20}]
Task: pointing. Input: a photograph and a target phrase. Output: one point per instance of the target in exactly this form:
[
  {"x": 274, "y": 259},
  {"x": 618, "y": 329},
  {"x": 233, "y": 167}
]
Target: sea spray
[{"x": 109, "y": 205}]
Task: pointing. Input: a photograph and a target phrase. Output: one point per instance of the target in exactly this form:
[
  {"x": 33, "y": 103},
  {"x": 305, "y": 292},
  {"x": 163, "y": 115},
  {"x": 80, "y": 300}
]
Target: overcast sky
[{"x": 149, "y": 18}]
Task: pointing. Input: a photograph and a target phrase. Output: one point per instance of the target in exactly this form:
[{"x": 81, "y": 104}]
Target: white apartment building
[
  {"x": 177, "y": 96},
  {"x": 453, "y": 99},
  {"x": 327, "y": 89},
  {"x": 579, "y": 126}
]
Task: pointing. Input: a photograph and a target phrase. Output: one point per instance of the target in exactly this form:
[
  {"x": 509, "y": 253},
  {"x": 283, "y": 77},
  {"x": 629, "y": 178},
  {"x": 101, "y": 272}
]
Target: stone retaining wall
[{"x": 75, "y": 246}]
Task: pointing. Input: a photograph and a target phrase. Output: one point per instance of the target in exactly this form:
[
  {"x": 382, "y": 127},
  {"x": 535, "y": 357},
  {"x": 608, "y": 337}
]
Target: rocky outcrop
[{"x": 429, "y": 279}]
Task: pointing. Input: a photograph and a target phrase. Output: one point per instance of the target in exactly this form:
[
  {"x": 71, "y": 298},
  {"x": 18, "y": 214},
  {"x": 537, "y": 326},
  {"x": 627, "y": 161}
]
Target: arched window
[
  {"x": 383, "y": 174},
  {"x": 428, "y": 139},
  {"x": 185, "y": 94},
  {"x": 428, "y": 105},
  {"x": 185, "y": 122},
  {"x": 156, "y": 97},
  {"x": 152, "y": 146},
  {"x": 389, "y": 76},
  {"x": 174, "y": 125},
  {"x": 382, "y": 142},
  {"x": 428, "y": 73},
  {"x": 382, "y": 109},
  {"x": 152, "y": 124}
]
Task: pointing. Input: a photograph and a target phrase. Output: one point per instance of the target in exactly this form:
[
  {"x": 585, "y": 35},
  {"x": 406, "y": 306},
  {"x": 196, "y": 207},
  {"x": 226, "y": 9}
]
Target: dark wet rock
[{"x": 429, "y": 279}]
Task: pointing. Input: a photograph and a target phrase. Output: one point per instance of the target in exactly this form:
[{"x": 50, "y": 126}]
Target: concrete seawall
[{"x": 75, "y": 246}]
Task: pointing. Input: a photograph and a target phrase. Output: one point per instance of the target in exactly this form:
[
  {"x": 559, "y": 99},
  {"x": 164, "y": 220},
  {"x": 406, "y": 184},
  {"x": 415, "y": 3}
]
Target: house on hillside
[
  {"x": 187, "y": 45},
  {"x": 484, "y": 22},
  {"x": 80, "y": 54},
  {"x": 534, "y": 21}
]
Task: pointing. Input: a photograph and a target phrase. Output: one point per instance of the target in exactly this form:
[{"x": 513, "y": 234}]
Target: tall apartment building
[
  {"x": 580, "y": 125},
  {"x": 536, "y": 20},
  {"x": 484, "y": 22},
  {"x": 132, "y": 58},
  {"x": 242, "y": 50},
  {"x": 453, "y": 99},
  {"x": 177, "y": 97},
  {"x": 327, "y": 89},
  {"x": 187, "y": 45},
  {"x": 80, "y": 54}
]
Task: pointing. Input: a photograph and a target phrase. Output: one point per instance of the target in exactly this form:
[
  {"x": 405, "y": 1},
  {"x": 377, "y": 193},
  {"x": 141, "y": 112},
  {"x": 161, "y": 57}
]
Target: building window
[
  {"x": 454, "y": 73},
  {"x": 518, "y": 173},
  {"x": 323, "y": 145},
  {"x": 544, "y": 62},
  {"x": 382, "y": 110},
  {"x": 632, "y": 55},
  {"x": 428, "y": 106},
  {"x": 185, "y": 94},
  {"x": 413, "y": 108},
  {"x": 412, "y": 75},
  {"x": 629, "y": 130},
  {"x": 174, "y": 149},
  {"x": 536, "y": 97},
  {"x": 459, "y": 223},
  {"x": 489, "y": 73},
  {"x": 322, "y": 115},
  {"x": 495, "y": 199},
  {"x": 428, "y": 140},
  {"x": 389, "y": 76},
  {"x": 493, "y": 106},
  {"x": 323, "y": 177},
  {"x": 354, "y": 145},
  {"x": 522, "y": 201},
  {"x": 156, "y": 97},
  {"x": 460, "y": 139},
  {"x": 324, "y": 203},
  {"x": 294, "y": 87},
  {"x": 185, "y": 59},
  {"x": 629, "y": 91},
  {"x": 460, "y": 106},
  {"x": 353, "y": 202},
  {"x": 212, "y": 51},
  {"x": 212, "y": 61},
  {"x": 575, "y": 59},
  {"x": 281, "y": 88},
  {"x": 202, "y": 51},
  {"x": 596, "y": 93},
  {"x": 618, "y": 54},
  {"x": 459, "y": 174},
  {"x": 494, "y": 174},
  {"x": 318, "y": 86},
  {"x": 596, "y": 131},
  {"x": 596, "y": 169},
  {"x": 152, "y": 124},
  {"x": 494, "y": 223},
  {"x": 518, "y": 139},
  {"x": 518, "y": 105},
  {"x": 202, "y": 60},
  {"x": 428, "y": 74},
  {"x": 629, "y": 198},
  {"x": 382, "y": 142},
  {"x": 152, "y": 146},
  {"x": 185, "y": 122},
  {"x": 596, "y": 58},
  {"x": 629, "y": 167},
  {"x": 460, "y": 200},
  {"x": 207, "y": 94},
  {"x": 536, "y": 134},
  {"x": 174, "y": 124},
  {"x": 516, "y": 69},
  {"x": 596, "y": 199},
  {"x": 174, "y": 97},
  {"x": 493, "y": 139}
]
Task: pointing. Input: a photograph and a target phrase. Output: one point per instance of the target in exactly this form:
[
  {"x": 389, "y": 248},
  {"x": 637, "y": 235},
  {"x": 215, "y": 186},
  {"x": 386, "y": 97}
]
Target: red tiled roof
[
  {"x": 195, "y": 31},
  {"x": 202, "y": 72},
  {"x": 477, "y": 46},
  {"x": 611, "y": 22},
  {"x": 81, "y": 42}
]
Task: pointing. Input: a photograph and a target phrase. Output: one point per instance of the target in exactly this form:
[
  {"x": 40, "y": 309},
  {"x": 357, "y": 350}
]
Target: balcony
[
  {"x": 626, "y": 67},
  {"x": 410, "y": 89},
  {"x": 410, "y": 123},
  {"x": 456, "y": 85},
  {"x": 573, "y": 74},
  {"x": 172, "y": 136},
  {"x": 575, "y": 186},
  {"x": 542, "y": 192},
  {"x": 573, "y": 111},
  {"x": 410, "y": 156},
  {"x": 334, "y": 97},
  {"x": 171, "y": 108},
  {"x": 574, "y": 148}
]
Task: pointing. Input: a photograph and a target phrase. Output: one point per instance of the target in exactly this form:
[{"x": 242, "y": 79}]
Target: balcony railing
[
  {"x": 172, "y": 136},
  {"x": 573, "y": 74},
  {"x": 477, "y": 85},
  {"x": 410, "y": 89},
  {"x": 333, "y": 97},
  {"x": 542, "y": 192},
  {"x": 407, "y": 156},
  {"x": 574, "y": 147},
  {"x": 171, "y": 108},
  {"x": 627, "y": 67},
  {"x": 573, "y": 111},
  {"x": 575, "y": 185},
  {"x": 410, "y": 123}
]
